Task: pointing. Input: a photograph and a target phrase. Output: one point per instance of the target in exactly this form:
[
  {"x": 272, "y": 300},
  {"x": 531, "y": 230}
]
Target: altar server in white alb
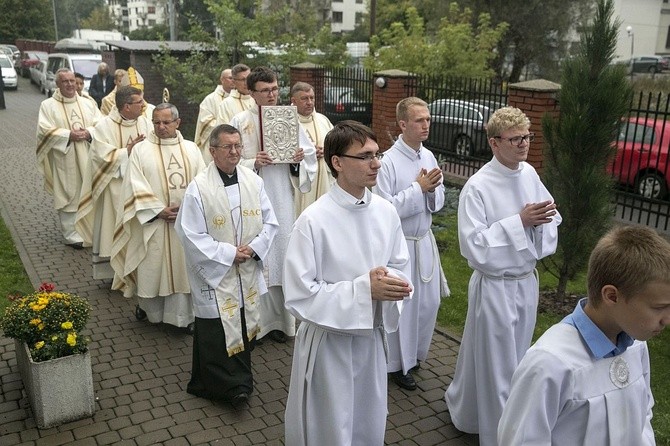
[
  {"x": 114, "y": 138},
  {"x": 209, "y": 107},
  {"x": 282, "y": 182},
  {"x": 586, "y": 380},
  {"x": 316, "y": 126},
  {"x": 507, "y": 221},
  {"x": 64, "y": 127},
  {"x": 147, "y": 257},
  {"x": 412, "y": 181},
  {"x": 226, "y": 224},
  {"x": 346, "y": 277}
]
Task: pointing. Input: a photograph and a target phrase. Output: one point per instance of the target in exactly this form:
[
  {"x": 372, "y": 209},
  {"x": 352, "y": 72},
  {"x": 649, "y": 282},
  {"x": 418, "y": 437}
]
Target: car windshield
[
  {"x": 87, "y": 67},
  {"x": 5, "y": 63}
]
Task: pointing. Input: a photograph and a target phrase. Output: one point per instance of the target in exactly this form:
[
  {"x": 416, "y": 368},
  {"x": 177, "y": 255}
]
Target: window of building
[
  {"x": 667, "y": 38},
  {"x": 337, "y": 1},
  {"x": 359, "y": 18},
  {"x": 337, "y": 16},
  {"x": 359, "y": 2},
  {"x": 152, "y": 22},
  {"x": 151, "y": 9}
]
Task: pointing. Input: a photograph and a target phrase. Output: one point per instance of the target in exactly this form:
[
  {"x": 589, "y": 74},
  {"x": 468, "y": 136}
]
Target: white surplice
[
  {"x": 209, "y": 107},
  {"x": 281, "y": 187},
  {"x": 235, "y": 103},
  {"x": 396, "y": 182},
  {"x": 101, "y": 190},
  {"x": 503, "y": 291},
  {"x": 338, "y": 389},
  {"x": 561, "y": 395},
  {"x": 147, "y": 257},
  {"x": 61, "y": 161}
]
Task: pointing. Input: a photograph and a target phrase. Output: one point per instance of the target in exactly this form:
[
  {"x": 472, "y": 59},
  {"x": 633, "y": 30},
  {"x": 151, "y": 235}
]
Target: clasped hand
[
  {"x": 535, "y": 214},
  {"x": 429, "y": 180},
  {"x": 243, "y": 254},
  {"x": 386, "y": 287}
]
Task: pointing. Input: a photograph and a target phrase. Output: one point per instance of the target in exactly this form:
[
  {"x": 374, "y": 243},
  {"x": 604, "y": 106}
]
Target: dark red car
[
  {"x": 30, "y": 59},
  {"x": 642, "y": 156}
]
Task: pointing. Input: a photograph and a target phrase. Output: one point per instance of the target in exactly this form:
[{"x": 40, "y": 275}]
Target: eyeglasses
[
  {"x": 141, "y": 101},
  {"x": 239, "y": 79},
  {"x": 367, "y": 157},
  {"x": 164, "y": 122},
  {"x": 517, "y": 140},
  {"x": 268, "y": 91},
  {"x": 229, "y": 147}
]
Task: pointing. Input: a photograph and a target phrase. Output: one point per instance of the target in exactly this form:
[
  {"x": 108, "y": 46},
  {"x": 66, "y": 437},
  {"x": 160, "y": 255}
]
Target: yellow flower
[
  {"x": 35, "y": 321},
  {"x": 39, "y": 345},
  {"x": 66, "y": 325},
  {"x": 54, "y": 338},
  {"x": 72, "y": 339},
  {"x": 40, "y": 327}
]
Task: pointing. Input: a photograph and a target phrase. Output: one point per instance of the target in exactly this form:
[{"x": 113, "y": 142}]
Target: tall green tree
[
  {"x": 594, "y": 96},
  {"x": 100, "y": 18},
  {"x": 458, "y": 48},
  {"x": 71, "y": 13},
  {"x": 22, "y": 19},
  {"x": 537, "y": 38}
]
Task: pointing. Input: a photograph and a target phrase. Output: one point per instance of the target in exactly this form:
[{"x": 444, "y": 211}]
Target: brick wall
[
  {"x": 535, "y": 98},
  {"x": 384, "y": 101}
]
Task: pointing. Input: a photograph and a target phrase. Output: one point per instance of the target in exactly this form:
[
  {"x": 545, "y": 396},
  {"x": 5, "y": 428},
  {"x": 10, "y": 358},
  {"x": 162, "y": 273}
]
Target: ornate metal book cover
[{"x": 279, "y": 125}]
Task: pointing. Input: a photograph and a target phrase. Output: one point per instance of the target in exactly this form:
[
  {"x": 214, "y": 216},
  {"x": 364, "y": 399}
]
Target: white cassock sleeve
[
  {"x": 308, "y": 165},
  {"x": 537, "y": 395},
  {"x": 340, "y": 305}
]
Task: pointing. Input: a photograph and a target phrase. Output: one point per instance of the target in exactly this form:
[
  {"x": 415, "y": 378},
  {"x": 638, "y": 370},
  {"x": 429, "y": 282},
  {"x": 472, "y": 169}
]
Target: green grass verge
[
  {"x": 13, "y": 278},
  {"x": 453, "y": 309}
]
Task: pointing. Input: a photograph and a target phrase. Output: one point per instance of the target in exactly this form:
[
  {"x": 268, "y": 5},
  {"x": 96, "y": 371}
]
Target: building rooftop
[{"x": 153, "y": 46}]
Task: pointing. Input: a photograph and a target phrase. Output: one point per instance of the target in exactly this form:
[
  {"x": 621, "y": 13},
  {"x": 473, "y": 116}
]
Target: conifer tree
[{"x": 595, "y": 95}]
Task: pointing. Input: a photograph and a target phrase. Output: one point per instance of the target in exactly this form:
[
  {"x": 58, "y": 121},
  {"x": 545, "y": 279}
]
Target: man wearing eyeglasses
[
  {"x": 346, "y": 277},
  {"x": 412, "y": 181},
  {"x": 507, "y": 221},
  {"x": 147, "y": 258},
  {"x": 239, "y": 98},
  {"x": 282, "y": 181},
  {"x": 226, "y": 225},
  {"x": 113, "y": 140},
  {"x": 208, "y": 109}
]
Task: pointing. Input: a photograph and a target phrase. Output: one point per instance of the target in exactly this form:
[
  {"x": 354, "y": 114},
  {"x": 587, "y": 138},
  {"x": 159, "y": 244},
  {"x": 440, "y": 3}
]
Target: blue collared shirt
[{"x": 599, "y": 345}]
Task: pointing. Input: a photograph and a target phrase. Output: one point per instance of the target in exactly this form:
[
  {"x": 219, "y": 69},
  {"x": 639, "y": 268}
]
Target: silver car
[{"x": 9, "y": 77}]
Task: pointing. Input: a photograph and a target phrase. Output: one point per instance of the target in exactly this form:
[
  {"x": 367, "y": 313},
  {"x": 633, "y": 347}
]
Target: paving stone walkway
[{"x": 140, "y": 370}]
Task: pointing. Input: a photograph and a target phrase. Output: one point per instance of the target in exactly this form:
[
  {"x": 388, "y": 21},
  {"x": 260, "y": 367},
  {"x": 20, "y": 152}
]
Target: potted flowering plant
[
  {"x": 49, "y": 321},
  {"x": 51, "y": 354}
]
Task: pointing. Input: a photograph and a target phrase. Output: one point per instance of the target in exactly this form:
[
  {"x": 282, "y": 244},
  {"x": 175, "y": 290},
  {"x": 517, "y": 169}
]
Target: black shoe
[
  {"x": 77, "y": 245},
  {"x": 140, "y": 314},
  {"x": 416, "y": 367},
  {"x": 277, "y": 336},
  {"x": 405, "y": 381},
  {"x": 239, "y": 399},
  {"x": 190, "y": 329}
]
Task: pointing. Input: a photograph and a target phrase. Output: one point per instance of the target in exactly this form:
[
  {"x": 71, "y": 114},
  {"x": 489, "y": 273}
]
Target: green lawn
[
  {"x": 453, "y": 309},
  {"x": 13, "y": 278}
]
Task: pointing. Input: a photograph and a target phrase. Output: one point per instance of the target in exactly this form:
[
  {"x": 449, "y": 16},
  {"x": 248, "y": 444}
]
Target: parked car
[
  {"x": 641, "y": 159},
  {"x": 648, "y": 64},
  {"x": 38, "y": 75},
  {"x": 342, "y": 103},
  {"x": 86, "y": 64},
  {"x": 9, "y": 77},
  {"x": 459, "y": 126},
  {"x": 13, "y": 52},
  {"x": 30, "y": 59}
]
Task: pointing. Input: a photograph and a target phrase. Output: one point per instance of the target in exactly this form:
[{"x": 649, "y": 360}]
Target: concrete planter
[{"x": 59, "y": 390}]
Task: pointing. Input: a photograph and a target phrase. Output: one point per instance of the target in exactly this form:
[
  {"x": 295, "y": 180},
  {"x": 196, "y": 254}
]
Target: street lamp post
[
  {"x": 631, "y": 34},
  {"x": 53, "y": 5}
]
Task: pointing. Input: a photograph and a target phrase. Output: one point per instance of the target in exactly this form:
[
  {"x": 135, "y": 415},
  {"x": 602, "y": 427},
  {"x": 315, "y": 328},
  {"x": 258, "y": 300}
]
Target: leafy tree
[
  {"x": 70, "y": 14},
  {"x": 394, "y": 11},
  {"x": 537, "y": 35},
  {"x": 458, "y": 48},
  {"x": 157, "y": 32},
  {"x": 594, "y": 96},
  {"x": 100, "y": 18},
  {"x": 22, "y": 19}
]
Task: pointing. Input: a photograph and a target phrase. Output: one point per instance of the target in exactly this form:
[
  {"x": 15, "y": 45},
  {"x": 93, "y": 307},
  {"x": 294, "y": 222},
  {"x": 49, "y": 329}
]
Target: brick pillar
[
  {"x": 535, "y": 98},
  {"x": 313, "y": 75},
  {"x": 399, "y": 85}
]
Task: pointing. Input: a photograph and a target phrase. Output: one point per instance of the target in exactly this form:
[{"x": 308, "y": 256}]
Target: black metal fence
[
  {"x": 640, "y": 166},
  {"x": 347, "y": 94}
]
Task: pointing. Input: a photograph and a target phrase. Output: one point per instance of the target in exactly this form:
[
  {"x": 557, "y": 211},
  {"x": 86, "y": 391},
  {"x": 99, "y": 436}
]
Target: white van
[{"x": 86, "y": 64}]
